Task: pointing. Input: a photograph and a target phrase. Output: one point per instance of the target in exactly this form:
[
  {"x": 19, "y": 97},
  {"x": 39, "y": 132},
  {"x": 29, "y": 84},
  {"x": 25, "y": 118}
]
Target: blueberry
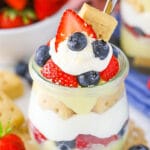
[
  {"x": 28, "y": 78},
  {"x": 64, "y": 147},
  {"x": 77, "y": 41},
  {"x": 42, "y": 55},
  {"x": 115, "y": 51},
  {"x": 89, "y": 78},
  {"x": 21, "y": 68},
  {"x": 100, "y": 49},
  {"x": 139, "y": 31},
  {"x": 69, "y": 144},
  {"x": 139, "y": 147}
]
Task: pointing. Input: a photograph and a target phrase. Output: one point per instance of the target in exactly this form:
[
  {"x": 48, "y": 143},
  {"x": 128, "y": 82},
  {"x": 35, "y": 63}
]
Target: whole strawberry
[
  {"x": 10, "y": 18},
  {"x": 45, "y": 8},
  {"x": 9, "y": 141}
]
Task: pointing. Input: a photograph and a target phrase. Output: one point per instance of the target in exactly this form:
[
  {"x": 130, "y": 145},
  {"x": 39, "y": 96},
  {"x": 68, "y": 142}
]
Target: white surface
[{"x": 140, "y": 120}]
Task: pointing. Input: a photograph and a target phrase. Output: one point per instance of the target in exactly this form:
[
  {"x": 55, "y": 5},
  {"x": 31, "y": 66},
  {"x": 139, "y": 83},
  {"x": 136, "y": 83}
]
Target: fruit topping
[
  {"x": 70, "y": 23},
  {"x": 42, "y": 55},
  {"x": 111, "y": 70},
  {"x": 66, "y": 145},
  {"x": 139, "y": 147},
  {"x": 52, "y": 72},
  {"x": 85, "y": 141},
  {"x": 77, "y": 41},
  {"x": 10, "y": 141},
  {"x": 90, "y": 78},
  {"x": 100, "y": 49}
]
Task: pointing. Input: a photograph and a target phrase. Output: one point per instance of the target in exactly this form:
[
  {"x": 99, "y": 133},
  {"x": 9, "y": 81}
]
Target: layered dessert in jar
[
  {"x": 135, "y": 31},
  {"x": 78, "y": 99}
]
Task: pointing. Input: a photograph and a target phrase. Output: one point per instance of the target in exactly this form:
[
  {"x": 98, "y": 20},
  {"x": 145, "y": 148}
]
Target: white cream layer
[
  {"x": 100, "y": 125},
  {"x": 75, "y": 63},
  {"x": 134, "y": 18}
]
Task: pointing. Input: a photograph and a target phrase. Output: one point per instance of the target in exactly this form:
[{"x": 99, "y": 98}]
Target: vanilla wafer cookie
[
  {"x": 9, "y": 112},
  {"x": 102, "y": 23},
  {"x": 11, "y": 84},
  {"x": 135, "y": 136}
]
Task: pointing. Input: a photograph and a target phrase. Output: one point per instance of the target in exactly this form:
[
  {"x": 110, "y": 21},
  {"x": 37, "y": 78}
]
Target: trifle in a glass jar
[
  {"x": 135, "y": 31},
  {"x": 78, "y": 99}
]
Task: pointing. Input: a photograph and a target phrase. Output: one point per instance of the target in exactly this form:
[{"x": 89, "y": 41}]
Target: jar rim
[{"x": 121, "y": 75}]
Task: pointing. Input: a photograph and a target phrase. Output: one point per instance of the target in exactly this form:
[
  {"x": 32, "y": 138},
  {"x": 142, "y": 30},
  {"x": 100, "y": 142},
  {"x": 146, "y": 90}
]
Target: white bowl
[{"x": 19, "y": 43}]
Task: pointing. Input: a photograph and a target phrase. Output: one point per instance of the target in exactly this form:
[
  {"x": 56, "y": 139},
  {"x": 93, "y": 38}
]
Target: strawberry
[
  {"x": 9, "y": 141},
  {"x": 111, "y": 70},
  {"x": 37, "y": 135},
  {"x": 85, "y": 141},
  {"x": 70, "y": 23},
  {"x": 45, "y": 8},
  {"x": 56, "y": 75},
  {"x": 9, "y": 18},
  {"x": 17, "y": 4}
]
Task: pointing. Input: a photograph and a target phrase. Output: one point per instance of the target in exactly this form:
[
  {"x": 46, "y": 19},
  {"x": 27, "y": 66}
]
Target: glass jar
[
  {"x": 135, "y": 32},
  {"x": 92, "y": 118}
]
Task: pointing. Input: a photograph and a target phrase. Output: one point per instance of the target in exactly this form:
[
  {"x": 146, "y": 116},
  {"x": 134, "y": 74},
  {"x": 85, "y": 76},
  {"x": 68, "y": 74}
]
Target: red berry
[
  {"x": 70, "y": 23},
  {"x": 111, "y": 70},
  {"x": 45, "y": 8},
  {"x": 85, "y": 141},
  {"x": 148, "y": 84},
  {"x": 17, "y": 4},
  {"x": 11, "y": 142},
  {"x": 56, "y": 75},
  {"x": 37, "y": 134},
  {"x": 10, "y": 18}
]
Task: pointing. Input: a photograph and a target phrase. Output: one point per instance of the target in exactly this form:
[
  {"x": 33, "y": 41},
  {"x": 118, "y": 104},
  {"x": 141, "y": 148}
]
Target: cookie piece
[
  {"x": 106, "y": 101},
  {"x": 143, "y": 62},
  {"x": 11, "y": 84},
  {"x": 135, "y": 136},
  {"x": 102, "y": 23},
  {"x": 9, "y": 112}
]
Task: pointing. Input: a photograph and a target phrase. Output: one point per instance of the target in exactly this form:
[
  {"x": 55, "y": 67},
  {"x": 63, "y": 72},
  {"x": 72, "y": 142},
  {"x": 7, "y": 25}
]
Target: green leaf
[{"x": 1, "y": 129}]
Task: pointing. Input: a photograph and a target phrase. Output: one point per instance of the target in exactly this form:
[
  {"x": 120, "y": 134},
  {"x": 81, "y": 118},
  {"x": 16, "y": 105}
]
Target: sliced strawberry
[
  {"x": 56, "y": 75},
  {"x": 111, "y": 70},
  {"x": 45, "y": 8},
  {"x": 17, "y": 4},
  {"x": 10, "y": 18},
  {"x": 70, "y": 23},
  {"x": 85, "y": 141},
  {"x": 37, "y": 134}
]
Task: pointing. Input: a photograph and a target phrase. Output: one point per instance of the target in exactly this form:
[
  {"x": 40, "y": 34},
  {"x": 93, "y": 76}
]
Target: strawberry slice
[
  {"x": 70, "y": 23},
  {"x": 37, "y": 134},
  {"x": 111, "y": 70},
  {"x": 85, "y": 141},
  {"x": 56, "y": 75}
]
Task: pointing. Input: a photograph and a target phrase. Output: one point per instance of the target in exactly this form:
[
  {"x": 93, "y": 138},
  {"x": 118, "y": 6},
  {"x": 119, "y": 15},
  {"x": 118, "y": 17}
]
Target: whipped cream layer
[
  {"x": 75, "y": 63},
  {"x": 100, "y": 125},
  {"x": 133, "y": 18}
]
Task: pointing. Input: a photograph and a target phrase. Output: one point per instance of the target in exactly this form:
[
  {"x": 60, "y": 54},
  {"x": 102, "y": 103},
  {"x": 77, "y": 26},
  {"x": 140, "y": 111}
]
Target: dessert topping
[
  {"x": 56, "y": 75},
  {"x": 71, "y": 23},
  {"x": 77, "y": 41},
  {"x": 111, "y": 70}
]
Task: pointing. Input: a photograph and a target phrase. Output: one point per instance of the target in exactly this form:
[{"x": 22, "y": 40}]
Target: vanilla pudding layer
[
  {"x": 55, "y": 128},
  {"x": 134, "y": 18},
  {"x": 136, "y": 47}
]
